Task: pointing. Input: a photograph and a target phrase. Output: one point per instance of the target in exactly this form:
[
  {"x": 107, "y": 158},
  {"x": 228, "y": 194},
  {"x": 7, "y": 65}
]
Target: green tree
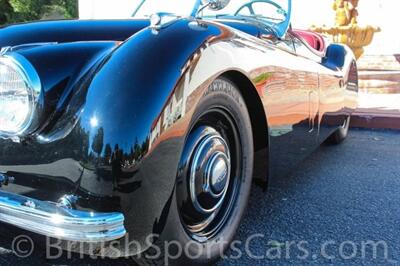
[
  {"x": 98, "y": 142},
  {"x": 107, "y": 153},
  {"x": 6, "y": 11},
  {"x": 71, "y": 8},
  {"x": 28, "y": 10}
]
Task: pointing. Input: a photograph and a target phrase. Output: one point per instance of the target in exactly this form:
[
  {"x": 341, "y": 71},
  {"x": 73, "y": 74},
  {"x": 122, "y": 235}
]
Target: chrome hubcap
[
  {"x": 208, "y": 179},
  {"x": 209, "y": 173}
]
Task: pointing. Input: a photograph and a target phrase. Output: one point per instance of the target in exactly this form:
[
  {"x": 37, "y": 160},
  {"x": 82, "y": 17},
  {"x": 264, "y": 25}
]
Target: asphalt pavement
[{"x": 340, "y": 207}]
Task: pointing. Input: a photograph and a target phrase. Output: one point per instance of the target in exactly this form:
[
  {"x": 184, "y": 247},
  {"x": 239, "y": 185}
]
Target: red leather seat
[{"x": 315, "y": 40}]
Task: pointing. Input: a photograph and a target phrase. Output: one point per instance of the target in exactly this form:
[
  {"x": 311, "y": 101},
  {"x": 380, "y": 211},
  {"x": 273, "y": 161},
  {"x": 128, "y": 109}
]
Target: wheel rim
[{"x": 209, "y": 173}]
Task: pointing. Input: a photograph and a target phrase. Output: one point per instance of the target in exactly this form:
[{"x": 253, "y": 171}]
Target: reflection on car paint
[{"x": 115, "y": 137}]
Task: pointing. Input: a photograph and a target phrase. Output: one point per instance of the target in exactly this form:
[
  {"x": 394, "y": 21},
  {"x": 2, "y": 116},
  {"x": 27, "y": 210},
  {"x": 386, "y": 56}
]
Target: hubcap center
[
  {"x": 218, "y": 174},
  {"x": 209, "y": 173}
]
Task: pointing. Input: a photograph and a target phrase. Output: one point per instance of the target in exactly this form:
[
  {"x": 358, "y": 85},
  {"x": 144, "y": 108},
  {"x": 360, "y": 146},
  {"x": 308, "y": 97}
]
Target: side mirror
[
  {"x": 215, "y": 5},
  {"x": 335, "y": 56}
]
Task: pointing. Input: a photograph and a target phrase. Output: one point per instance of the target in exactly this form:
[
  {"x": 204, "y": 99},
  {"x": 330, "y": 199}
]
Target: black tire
[
  {"x": 340, "y": 134},
  {"x": 223, "y": 100}
]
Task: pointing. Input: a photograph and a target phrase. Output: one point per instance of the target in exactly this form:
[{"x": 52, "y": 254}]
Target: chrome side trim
[
  {"x": 160, "y": 21},
  {"x": 4, "y": 50},
  {"x": 28, "y": 45},
  {"x": 50, "y": 220}
]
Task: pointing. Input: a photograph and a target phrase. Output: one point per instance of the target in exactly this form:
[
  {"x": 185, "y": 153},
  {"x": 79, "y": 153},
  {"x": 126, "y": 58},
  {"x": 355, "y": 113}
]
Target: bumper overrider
[{"x": 50, "y": 220}]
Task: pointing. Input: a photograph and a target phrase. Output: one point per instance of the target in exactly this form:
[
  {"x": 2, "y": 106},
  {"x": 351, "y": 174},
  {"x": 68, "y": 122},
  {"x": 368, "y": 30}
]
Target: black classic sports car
[{"x": 152, "y": 129}]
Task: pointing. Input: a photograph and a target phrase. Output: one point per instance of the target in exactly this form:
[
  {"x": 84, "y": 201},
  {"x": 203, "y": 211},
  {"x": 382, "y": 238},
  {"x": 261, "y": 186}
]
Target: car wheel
[
  {"x": 213, "y": 181},
  {"x": 341, "y": 133}
]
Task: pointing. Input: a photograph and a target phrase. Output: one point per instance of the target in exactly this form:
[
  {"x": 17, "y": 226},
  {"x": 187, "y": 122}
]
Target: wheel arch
[{"x": 259, "y": 124}]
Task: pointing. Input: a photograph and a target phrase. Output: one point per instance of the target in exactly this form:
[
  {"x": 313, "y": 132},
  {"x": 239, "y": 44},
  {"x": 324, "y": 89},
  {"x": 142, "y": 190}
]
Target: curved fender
[
  {"x": 61, "y": 68},
  {"x": 135, "y": 118},
  {"x": 351, "y": 81},
  {"x": 119, "y": 135},
  {"x": 138, "y": 110}
]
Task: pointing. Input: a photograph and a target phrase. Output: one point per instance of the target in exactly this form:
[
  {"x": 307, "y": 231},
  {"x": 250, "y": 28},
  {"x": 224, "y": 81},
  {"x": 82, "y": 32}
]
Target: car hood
[{"x": 63, "y": 31}]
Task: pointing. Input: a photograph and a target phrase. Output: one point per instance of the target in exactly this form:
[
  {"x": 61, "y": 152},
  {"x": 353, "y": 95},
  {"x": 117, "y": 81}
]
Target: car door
[
  {"x": 291, "y": 100},
  {"x": 313, "y": 64},
  {"x": 291, "y": 91},
  {"x": 330, "y": 96}
]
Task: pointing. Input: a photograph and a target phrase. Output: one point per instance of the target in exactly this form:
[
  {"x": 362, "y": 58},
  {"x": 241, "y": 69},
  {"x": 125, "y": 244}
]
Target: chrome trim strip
[
  {"x": 165, "y": 20},
  {"x": 4, "y": 50},
  {"x": 30, "y": 45},
  {"x": 50, "y": 220}
]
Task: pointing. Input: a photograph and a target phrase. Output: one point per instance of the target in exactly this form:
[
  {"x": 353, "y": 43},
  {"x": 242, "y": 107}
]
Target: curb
[{"x": 376, "y": 119}]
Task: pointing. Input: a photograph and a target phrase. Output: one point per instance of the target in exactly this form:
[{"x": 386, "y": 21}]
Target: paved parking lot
[{"x": 342, "y": 207}]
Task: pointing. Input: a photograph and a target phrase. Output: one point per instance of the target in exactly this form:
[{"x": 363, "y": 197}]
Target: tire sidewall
[{"x": 221, "y": 93}]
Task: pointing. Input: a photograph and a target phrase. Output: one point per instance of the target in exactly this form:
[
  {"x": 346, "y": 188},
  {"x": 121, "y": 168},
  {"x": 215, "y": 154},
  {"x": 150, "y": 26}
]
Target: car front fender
[
  {"x": 119, "y": 136},
  {"x": 136, "y": 114}
]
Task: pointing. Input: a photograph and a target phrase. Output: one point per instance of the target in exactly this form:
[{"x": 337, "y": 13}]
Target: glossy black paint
[
  {"x": 61, "y": 80},
  {"x": 116, "y": 114},
  {"x": 70, "y": 31}
]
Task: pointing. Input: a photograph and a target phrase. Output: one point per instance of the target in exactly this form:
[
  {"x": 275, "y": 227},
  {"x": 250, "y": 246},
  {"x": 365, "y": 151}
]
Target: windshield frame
[
  {"x": 196, "y": 6},
  {"x": 279, "y": 28}
]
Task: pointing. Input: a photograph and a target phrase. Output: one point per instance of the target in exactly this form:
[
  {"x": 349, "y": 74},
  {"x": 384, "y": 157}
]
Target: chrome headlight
[{"x": 19, "y": 91}]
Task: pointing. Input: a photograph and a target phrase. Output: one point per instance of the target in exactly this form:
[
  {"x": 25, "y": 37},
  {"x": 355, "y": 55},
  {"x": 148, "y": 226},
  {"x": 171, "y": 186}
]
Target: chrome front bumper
[{"x": 50, "y": 220}]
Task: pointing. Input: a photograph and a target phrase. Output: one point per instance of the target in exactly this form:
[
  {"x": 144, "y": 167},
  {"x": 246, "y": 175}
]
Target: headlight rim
[{"x": 30, "y": 77}]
